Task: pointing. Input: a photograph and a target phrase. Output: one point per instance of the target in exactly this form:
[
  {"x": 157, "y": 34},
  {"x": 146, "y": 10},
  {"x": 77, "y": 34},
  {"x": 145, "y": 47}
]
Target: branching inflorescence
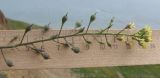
[{"x": 143, "y": 37}]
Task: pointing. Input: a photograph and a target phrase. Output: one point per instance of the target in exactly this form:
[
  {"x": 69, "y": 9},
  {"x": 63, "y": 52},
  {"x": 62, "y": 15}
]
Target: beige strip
[{"x": 96, "y": 56}]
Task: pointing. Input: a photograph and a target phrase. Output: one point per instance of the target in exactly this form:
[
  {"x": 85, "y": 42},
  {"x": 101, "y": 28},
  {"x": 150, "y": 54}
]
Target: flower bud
[
  {"x": 45, "y": 29},
  {"x": 112, "y": 20},
  {"x": 109, "y": 44},
  {"x": 64, "y": 18},
  {"x": 45, "y": 55},
  {"x": 9, "y": 63},
  {"x": 93, "y": 17},
  {"x": 130, "y": 26},
  {"x": 75, "y": 49},
  {"x": 78, "y": 24},
  {"x": 28, "y": 28},
  {"x": 143, "y": 44},
  {"x": 148, "y": 39}
]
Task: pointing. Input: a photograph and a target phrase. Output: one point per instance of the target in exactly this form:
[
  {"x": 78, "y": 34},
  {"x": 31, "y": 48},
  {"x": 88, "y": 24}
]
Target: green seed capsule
[
  {"x": 28, "y": 28},
  {"x": 45, "y": 29},
  {"x": 93, "y": 17},
  {"x": 75, "y": 49},
  {"x": 45, "y": 55},
  {"x": 109, "y": 44},
  {"x": 9, "y": 63},
  {"x": 78, "y": 24},
  {"x": 64, "y": 18}
]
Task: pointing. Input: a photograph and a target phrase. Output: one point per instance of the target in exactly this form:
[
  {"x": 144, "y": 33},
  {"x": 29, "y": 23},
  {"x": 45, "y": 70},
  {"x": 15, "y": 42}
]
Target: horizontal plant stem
[{"x": 59, "y": 37}]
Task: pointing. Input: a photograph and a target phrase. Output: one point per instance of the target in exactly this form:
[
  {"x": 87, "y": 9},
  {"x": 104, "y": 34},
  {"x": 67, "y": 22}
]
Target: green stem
[
  {"x": 121, "y": 31},
  {"x": 88, "y": 27},
  {"x": 3, "y": 56},
  {"x": 23, "y": 38},
  {"x": 60, "y": 30},
  {"x": 49, "y": 39}
]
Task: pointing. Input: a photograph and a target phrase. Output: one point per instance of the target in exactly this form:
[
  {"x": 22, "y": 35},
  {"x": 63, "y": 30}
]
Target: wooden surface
[{"x": 96, "y": 56}]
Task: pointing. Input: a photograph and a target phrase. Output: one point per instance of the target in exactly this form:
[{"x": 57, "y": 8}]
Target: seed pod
[
  {"x": 28, "y": 28},
  {"x": 75, "y": 49},
  {"x": 112, "y": 20},
  {"x": 78, "y": 24},
  {"x": 111, "y": 23},
  {"x": 92, "y": 18},
  {"x": 9, "y": 63},
  {"x": 64, "y": 18},
  {"x": 45, "y": 29},
  {"x": 109, "y": 44},
  {"x": 45, "y": 55}
]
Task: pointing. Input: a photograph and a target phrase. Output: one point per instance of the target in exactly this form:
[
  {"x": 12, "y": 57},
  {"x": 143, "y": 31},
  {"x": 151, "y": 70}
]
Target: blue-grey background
[{"x": 142, "y": 12}]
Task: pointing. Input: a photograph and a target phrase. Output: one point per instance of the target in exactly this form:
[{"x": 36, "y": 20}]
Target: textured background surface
[{"x": 96, "y": 56}]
